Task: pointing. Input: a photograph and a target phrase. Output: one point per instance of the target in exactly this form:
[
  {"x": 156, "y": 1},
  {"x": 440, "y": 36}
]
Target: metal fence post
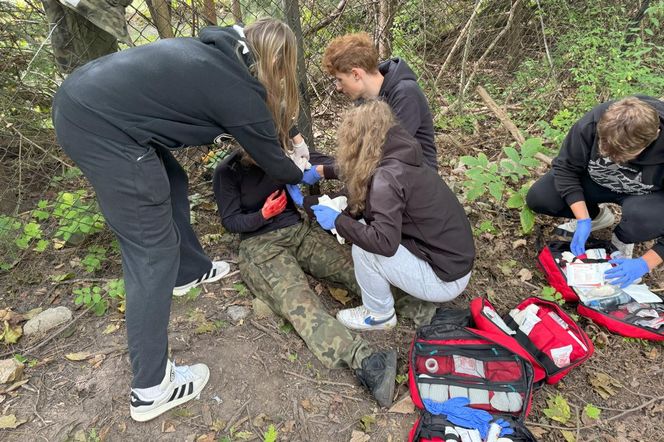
[{"x": 292, "y": 13}]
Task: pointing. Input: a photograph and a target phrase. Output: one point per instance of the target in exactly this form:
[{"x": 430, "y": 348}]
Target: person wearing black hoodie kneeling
[{"x": 414, "y": 234}]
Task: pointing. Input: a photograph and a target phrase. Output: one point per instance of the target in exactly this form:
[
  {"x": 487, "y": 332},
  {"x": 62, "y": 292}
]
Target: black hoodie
[
  {"x": 407, "y": 203},
  {"x": 579, "y": 155},
  {"x": 178, "y": 92},
  {"x": 409, "y": 104}
]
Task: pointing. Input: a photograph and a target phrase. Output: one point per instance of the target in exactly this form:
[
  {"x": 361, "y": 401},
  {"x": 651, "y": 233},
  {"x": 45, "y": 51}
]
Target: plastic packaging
[{"x": 611, "y": 301}]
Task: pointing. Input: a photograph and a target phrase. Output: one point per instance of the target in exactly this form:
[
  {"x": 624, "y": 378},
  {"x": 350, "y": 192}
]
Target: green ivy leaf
[
  {"x": 515, "y": 201},
  {"x": 527, "y": 219},
  {"x": 592, "y": 411},
  {"x": 496, "y": 190},
  {"x": 531, "y": 146}
]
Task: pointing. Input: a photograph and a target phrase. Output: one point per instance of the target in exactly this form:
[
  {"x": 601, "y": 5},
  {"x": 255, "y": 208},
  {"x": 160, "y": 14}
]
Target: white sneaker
[
  {"x": 219, "y": 270},
  {"x": 360, "y": 318},
  {"x": 626, "y": 250},
  {"x": 604, "y": 219},
  {"x": 180, "y": 384}
]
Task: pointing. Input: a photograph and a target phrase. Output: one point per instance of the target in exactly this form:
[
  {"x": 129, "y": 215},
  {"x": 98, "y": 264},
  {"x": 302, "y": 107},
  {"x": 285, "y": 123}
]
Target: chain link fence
[{"x": 528, "y": 55}]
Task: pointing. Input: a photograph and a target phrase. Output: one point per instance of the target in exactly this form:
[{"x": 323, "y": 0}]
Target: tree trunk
[
  {"x": 210, "y": 12},
  {"x": 161, "y": 15},
  {"x": 237, "y": 10},
  {"x": 385, "y": 18}
]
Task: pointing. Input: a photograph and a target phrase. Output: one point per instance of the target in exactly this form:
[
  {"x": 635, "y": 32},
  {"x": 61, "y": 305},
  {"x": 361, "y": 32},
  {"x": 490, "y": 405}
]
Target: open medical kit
[
  {"x": 553, "y": 341},
  {"x": 471, "y": 385},
  {"x": 633, "y": 311}
]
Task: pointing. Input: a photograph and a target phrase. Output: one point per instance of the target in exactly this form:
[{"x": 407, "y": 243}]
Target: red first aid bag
[
  {"x": 448, "y": 360},
  {"x": 553, "y": 341},
  {"x": 633, "y": 319}
]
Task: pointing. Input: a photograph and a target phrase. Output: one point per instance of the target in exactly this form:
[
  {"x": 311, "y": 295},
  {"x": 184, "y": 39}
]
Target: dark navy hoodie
[
  {"x": 401, "y": 91},
  {"x": 175, "y": 93}
]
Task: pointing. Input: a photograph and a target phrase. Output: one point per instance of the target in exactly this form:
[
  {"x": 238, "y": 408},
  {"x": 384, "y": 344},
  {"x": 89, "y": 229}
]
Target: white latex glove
[{"x": 300, "y": 155}]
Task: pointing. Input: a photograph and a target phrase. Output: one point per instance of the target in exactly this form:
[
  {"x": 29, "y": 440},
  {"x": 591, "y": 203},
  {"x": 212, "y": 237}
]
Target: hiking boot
[
  {"x": 604, "y": 219},
  {"x": 180, "y": 385},
  {"x": 219, "y": 270},
  {"x": 360, "y": 318},
  {"x": 377, "y": 374},
  {"x": 625, "y": 250}
]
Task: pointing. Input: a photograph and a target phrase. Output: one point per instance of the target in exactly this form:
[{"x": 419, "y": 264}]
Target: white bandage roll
[{"x": 431, "y": 365}]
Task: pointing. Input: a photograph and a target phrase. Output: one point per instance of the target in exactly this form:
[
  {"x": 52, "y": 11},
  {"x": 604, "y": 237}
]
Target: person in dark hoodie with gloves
[
  {"x": 613, "y": 154},
  {"x": 119, "y": 117},
  {"x": 414, "y": 234}
]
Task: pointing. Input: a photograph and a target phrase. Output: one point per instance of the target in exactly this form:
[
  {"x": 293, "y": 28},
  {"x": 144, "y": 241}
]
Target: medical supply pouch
[
  {"x": 553, "y": 340},
  {"x": 626, "y": 317},
  {"x": 556, "y": 255},
  {"x": 448, "y": 359}
]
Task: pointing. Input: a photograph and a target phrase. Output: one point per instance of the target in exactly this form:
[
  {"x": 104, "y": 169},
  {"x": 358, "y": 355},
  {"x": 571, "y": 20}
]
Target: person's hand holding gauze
[
  {"x": 626, "y": 271},
  {"x": 274, "y": 204},
  {"x": 580, "y": 237},
  {"x": 325, "y": 216},
  {"x": 295, "y": 194}
]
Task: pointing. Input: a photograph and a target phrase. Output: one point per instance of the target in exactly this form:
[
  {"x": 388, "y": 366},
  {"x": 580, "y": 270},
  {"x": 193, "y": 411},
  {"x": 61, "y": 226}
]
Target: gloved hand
[
  {"x": 274, "y": 204},
  {"x": 458, "y": 413},
  {"x": 506, "y": 427},
  {"x": 325, "y": 216},
  {"x": 301, "y": 150},
  {"x": 580, "y": 237},
  {"x": 626, "y": 271},
  {"x": 295, "y": 194},
  {"x": 310, "y": 176}
]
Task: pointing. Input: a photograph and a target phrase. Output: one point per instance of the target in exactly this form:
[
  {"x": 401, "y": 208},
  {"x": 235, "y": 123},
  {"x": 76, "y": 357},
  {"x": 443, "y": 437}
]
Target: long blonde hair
[
  {"x": 274, "y": 48},
  {"x": 360, "y": 140}
]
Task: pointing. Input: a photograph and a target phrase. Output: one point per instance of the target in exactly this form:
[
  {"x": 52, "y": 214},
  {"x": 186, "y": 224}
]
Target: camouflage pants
[{"x": 273, "y": 266}]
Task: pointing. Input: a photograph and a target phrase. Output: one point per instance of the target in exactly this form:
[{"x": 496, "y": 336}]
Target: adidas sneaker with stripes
[
  {"x": 219, "y": 270},
  {"x": 181, "y": 384}
]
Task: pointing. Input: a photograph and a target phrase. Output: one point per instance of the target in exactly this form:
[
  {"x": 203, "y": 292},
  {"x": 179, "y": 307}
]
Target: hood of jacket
[
  {"x": 228, "y": 39},
  {"x": 401, "y": 146},
  {"x": 394, "y": 70}
]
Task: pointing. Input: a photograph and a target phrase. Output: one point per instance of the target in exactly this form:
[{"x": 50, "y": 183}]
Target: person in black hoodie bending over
[
  {"x": 613, "y": 154},
  {"x": 119, "y": 117},
  {"x": 353, "y": 61},
  {"x": 415, "y": 233}
]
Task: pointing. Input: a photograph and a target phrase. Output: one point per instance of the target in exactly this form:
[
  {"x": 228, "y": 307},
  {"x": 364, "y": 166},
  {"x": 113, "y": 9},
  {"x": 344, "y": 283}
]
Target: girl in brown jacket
[{"x": 415, "y": 235}]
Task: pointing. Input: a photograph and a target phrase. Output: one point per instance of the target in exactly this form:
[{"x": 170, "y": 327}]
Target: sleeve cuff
[
  {"x": 574, "y": 197},
  {"x": 293, "y": 131},
  {"x": 659, "y": 247},
  {"x": 330, "y": 172}
]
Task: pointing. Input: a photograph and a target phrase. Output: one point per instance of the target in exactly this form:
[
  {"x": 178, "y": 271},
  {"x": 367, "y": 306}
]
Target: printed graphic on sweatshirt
[{"x": 619, "y": 178}]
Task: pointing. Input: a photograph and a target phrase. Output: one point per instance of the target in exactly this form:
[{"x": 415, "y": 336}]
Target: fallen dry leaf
[
  {"x": 6, "y": 314},
  {"x": 14, "y": 386},
  {"x": 404, "y": 406},
  {"x": 10, "y": 421},
  {"x": 653, "y": 354},
  {"x": 538, "y": 432},
  {"x": 167, "y": 427},
  {"x": 96, "y": 360},
  {"x": 110, "y": 328},
  {"x": 79, "y": 356},
  {"x": 206, "y": 438},
  {"x": 11, "y": 370},
  {"x": 358, "y": 436},
  {"x": 288, "y": 426},
  {"x": 604, "y": 384},
  {"x": 525, "y": 275},
  {"x": 340, "y": 295},
  {"x": 306, "y": 404},
  {"x": 11, "y": 333},
  {"x": 318, "y": 288},
  {"x": 518, "y": 243}
]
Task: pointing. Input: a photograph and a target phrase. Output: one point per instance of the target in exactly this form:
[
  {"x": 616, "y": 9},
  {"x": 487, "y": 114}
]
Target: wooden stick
[
  {"x": 507, "y": 122},
  {"x": 476, "y": 9}
]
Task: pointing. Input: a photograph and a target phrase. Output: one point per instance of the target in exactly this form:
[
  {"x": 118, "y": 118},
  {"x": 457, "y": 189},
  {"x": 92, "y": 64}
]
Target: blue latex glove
[
  {"x": 310, "y": 176},
  {"x": 295, "y": 194},
  {"x": 580, "y": 237},
  {"x": 506, "y": 428},
  {"x": 458, "y": 413},
  {"x": 626, "y": 271},
  {"x": 325, "y": 216}
]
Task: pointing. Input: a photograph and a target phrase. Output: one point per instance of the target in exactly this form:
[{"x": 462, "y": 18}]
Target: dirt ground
[{"x": 262, "y": 374}]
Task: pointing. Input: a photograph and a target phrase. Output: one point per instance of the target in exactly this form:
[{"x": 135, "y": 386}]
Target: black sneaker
[{"x": 378, "y": 373}]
